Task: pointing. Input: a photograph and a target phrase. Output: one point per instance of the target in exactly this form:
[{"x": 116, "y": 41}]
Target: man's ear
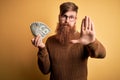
[{"x": 76, "y": 17}]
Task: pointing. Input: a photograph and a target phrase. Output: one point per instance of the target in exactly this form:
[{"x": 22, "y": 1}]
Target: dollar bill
[{"x": 39, "y": 28}]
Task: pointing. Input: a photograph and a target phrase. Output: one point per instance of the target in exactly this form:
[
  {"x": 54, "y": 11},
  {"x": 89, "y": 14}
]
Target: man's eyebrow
[{"x": 67, "y": 16}]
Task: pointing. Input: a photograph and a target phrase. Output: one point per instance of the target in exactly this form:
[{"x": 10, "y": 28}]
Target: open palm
[{"x": 87, "y": 34}]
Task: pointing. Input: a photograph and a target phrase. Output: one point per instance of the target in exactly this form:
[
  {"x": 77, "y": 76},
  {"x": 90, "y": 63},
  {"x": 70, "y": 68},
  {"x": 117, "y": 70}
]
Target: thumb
[
  {"x": 33, "y": 40},
  {"x": 75, "y": 41}
]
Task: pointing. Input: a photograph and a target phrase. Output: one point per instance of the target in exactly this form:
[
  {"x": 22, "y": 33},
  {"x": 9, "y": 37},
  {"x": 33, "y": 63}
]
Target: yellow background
[{"x": 18, "y": 57}]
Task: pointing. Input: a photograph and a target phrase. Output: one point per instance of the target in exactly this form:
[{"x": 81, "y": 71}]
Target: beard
[{"x": 64, "y": 32}]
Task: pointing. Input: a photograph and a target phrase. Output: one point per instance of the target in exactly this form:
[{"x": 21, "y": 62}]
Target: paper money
[{"x": 39, "y": 28}]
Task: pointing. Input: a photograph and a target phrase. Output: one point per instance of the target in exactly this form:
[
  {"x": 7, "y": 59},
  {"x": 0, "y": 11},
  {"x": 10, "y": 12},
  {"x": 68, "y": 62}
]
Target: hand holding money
[
  {"x": 37, "y": 42},
  {"x": 39, "y": 30}
]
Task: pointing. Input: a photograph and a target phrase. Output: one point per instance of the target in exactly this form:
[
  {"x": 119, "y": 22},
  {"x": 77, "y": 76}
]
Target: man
[{"x": 66, "y": 53}]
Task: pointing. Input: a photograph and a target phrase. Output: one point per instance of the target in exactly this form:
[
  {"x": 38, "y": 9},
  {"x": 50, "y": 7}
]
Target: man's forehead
[{"x": 68, "y": 13}]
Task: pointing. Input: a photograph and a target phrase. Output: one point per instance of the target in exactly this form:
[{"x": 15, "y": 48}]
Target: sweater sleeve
[
  {"x": 96, "y": 50},
  {"x": 43, "y": 61}
]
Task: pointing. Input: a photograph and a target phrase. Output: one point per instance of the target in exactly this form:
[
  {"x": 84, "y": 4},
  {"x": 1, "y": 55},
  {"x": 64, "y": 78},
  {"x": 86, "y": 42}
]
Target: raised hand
[
  {"x": 37, "y": 42},
  {"x": 87, "y": 34}
]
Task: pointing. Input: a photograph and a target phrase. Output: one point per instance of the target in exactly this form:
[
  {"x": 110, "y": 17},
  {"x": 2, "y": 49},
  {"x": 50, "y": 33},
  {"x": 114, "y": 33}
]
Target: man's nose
[{"x": 67, "y": 20}]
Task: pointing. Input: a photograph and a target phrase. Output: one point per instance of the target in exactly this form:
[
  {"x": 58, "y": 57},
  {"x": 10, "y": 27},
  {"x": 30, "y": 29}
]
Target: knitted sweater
[{"x": 68, "y": 62}]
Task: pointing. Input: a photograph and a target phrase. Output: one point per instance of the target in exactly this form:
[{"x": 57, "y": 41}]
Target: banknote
[{"x": 39, "y": 28}]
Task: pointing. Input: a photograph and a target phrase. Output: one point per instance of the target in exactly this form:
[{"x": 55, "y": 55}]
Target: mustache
[{"x": 66, "y": 24}]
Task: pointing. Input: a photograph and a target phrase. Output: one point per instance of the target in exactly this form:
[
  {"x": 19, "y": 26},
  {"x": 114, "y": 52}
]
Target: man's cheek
[
  {"x": 72, "y": 24},
  {"x": 62, "y": 21}
]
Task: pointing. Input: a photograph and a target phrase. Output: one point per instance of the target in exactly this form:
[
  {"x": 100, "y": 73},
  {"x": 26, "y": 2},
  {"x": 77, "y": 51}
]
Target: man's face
[
  {"x": 66, "y": 27},
  {"x": 68, "y": 18}
]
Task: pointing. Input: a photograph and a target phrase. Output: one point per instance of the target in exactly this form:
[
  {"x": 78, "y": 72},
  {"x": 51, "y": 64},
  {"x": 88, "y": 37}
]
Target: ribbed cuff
[
  {"x": 93, "y": 45},
  {"x": 42, "y": 52}
]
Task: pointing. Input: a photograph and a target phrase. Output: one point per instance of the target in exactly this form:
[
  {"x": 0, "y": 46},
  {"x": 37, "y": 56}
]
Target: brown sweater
[{"x": 68, "y": 62}]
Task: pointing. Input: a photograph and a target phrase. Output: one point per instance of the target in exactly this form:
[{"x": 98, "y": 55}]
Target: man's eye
[
  {"x": 64, "y": 16},
  {"x": 71, "y": 17}
]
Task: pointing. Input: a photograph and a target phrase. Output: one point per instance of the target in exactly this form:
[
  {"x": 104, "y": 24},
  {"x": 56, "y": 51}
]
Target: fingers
[
  {"x": 83, "y": 25},
  {"x": 87, "y": 24},
  {"x": 33, "y": 40},
  {"x": 36, "y": 41},
  {"x": 92, "y": 26}
]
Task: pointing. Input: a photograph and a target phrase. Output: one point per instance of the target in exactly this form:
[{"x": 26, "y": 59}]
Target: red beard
[{"x": 64, "y": 32}]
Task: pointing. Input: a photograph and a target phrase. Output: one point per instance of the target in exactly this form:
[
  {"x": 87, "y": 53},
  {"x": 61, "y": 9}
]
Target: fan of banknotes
[{"x": 39, "y": 28}]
